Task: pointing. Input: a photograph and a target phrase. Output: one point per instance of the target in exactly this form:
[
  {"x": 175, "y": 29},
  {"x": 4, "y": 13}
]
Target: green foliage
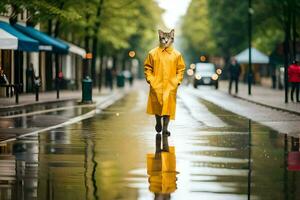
[
  {"x": 220, "y": 27},
  {"x": 215, "y": 27},
  {"x": 229, "y": 21},
  {"x": 121, "y": 24},
  {"x": 270, "y": 18},
  {"x": 42, "y": 9},
  {"x": 197, "y": 30}
]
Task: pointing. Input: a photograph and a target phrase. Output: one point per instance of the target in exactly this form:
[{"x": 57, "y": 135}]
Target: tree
[
  {"x": 215, "y": 27},
  {"x": 197, "y": 31}
]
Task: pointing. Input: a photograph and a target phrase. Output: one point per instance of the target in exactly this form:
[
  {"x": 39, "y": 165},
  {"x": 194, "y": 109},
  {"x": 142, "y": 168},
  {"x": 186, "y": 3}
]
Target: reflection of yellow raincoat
[
  {"x": 164, "y": 69},
  {"x": 162, "y": 172}
]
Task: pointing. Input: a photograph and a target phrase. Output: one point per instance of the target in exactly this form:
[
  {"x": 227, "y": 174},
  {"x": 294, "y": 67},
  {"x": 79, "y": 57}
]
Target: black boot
[{"x": 158, "y": 127}]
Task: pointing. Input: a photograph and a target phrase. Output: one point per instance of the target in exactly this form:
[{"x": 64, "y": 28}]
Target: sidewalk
[
  {"x": 55, "y": 117},
  {"x": 263, "y": 96},
  {"x": 45, "y": 97}
]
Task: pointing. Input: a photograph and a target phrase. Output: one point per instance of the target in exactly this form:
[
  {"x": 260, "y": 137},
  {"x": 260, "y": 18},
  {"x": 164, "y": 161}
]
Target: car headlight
[
  {"x": 190, "y": 72},
  {"x": 197, "y": 76},
  {"x": 214, "y": 77}
]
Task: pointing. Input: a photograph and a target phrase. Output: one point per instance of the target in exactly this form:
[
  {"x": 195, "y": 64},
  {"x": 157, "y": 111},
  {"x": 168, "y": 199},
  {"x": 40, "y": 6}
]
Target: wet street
[{"x": 117, "y": 155}]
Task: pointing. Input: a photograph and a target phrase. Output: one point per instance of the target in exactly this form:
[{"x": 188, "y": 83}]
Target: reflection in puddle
[
  {"x": 104, "y": 158},
  {"x": 161, "y": 169}
]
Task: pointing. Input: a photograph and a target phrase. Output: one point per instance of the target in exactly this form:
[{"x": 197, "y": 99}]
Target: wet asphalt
[{"x": 117, "y": 155}]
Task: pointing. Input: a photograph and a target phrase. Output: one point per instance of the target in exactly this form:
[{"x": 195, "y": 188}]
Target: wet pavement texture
[
  {"x": 32, "y": 118},
  {"x": 117, "y": 155},
  {"x": 284, "y": 122}
]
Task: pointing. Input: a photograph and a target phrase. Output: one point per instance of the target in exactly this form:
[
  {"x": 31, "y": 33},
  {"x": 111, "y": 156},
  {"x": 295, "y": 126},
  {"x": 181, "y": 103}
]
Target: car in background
[{"x": 205, "y": 74}]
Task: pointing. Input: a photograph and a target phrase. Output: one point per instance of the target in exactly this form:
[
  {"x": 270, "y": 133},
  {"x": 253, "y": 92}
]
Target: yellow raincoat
[{"x": 164, "y": 70}]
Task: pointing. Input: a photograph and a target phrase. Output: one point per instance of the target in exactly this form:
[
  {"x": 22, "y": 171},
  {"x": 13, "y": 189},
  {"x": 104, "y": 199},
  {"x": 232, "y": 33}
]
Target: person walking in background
[
  {"x": 164, "y": 70},
  {"x": 109, "y": 78},
  {"x": 234, "y": 74},
  {"x": 3, "y": 81},
  {"x": 3, "y": 78},
  {"x": 294, "y": 79},
  {"x": 29, "y": 78}
]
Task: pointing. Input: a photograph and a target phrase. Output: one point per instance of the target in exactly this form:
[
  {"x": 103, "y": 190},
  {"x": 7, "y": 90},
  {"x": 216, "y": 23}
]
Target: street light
[
  {"x": 131, "y": 54},
  {"x": 192, "y": 66},
  {"x": 202, "y": 58},
  {"x": 250, "y": 12}
]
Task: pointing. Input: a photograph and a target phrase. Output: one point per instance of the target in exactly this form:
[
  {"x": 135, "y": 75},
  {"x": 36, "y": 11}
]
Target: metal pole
[
  {"x": 294, "y": 30},
  {"x": 57, "y": 75},
  {"x": 18, "y": 76},
  {"x": 250, "y": 46}
]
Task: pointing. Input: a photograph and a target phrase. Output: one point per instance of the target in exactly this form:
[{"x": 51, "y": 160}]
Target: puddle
[{"x": 114, "y": 156}]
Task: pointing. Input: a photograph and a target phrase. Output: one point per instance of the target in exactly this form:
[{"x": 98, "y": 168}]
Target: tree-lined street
[{"x": 104, "y": 157}]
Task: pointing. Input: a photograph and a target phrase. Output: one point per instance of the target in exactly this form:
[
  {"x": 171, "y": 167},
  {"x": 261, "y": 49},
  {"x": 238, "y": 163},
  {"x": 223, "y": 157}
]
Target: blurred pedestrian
[
  {"x": 294, "y": 79},
  {"x": 234, "y": 74},
  {"x": 130, "y": 79},
  {"x": 109, "y": 78},
  {"x": 3, "y": 78},
  {"x": 3, "y": 81},
  {"x": 29, "y": 78},
  {"x": 36, "y": 79},
  {"x": 164, "y": 69}
]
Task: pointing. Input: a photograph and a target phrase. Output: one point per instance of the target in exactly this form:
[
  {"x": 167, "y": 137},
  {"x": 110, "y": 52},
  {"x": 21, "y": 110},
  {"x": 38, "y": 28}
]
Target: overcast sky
[{"x": 174, "y": 9}]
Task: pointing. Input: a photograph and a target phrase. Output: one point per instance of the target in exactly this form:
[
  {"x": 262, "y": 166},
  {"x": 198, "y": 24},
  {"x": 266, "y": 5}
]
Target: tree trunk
[
  {"x": 294, "y": 30},
  {"x": 85, "y": 71},
  {"x": 56, "y": 59},
  {"x": 101, "y": 67},
  {"x": 48, "y": 63},
  {"x": 56, "y": 29},
  {"x": 94, "y": 58},
  {"x": 96, "y": 30}
]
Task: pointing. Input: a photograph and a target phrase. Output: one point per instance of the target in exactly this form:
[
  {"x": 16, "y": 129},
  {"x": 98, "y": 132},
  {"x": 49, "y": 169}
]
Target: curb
[
  {"x": 9, "y": 107},
  {"x": 266, "y": 105},
  {"x": 108, "y": 101}
]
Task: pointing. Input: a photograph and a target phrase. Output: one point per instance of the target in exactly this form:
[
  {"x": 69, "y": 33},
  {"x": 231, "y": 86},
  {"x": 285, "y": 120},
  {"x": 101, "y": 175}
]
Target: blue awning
[
  {"x": 25, "y": 43},
  {"x": 44, "y": 39}
]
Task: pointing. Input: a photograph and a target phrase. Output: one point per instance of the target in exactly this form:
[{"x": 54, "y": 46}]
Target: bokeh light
[
  {"x": 192, "y": 66},
  {"x": 214, "y": 77},
  {"x": 131, "y": 54},
  {"x": 202, "y": 58},
  {"x": 190, "y": 72}
]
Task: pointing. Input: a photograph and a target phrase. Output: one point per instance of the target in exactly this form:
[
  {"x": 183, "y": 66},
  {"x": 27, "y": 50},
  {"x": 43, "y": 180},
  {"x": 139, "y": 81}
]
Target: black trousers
[
  {"x": 236, "y": 80},
  {"x": 295, "y": 86}
]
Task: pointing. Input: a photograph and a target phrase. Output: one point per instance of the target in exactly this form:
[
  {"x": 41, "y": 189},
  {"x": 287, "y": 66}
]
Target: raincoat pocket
[
  {"x": 173, "y": 84},
  {"x": 155, "y": 84}
]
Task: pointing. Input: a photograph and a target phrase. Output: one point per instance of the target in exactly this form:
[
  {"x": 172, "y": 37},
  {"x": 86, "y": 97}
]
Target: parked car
[{"x": 205, "y": 74}]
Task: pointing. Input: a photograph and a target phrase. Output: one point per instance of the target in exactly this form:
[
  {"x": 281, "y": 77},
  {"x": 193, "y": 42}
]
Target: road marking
[{"x": 46, "y": 111}]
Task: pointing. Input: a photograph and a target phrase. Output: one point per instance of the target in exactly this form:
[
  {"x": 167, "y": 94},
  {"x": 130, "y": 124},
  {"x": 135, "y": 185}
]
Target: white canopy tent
[
  {"x": 257, "y": 57},
  {"x": 7, "y": 41}
]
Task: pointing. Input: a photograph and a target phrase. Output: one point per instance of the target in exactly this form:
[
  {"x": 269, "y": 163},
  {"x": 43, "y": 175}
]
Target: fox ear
[
  {"x": 160, "y": 33},
  {"x": 172, "y": 33}
]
